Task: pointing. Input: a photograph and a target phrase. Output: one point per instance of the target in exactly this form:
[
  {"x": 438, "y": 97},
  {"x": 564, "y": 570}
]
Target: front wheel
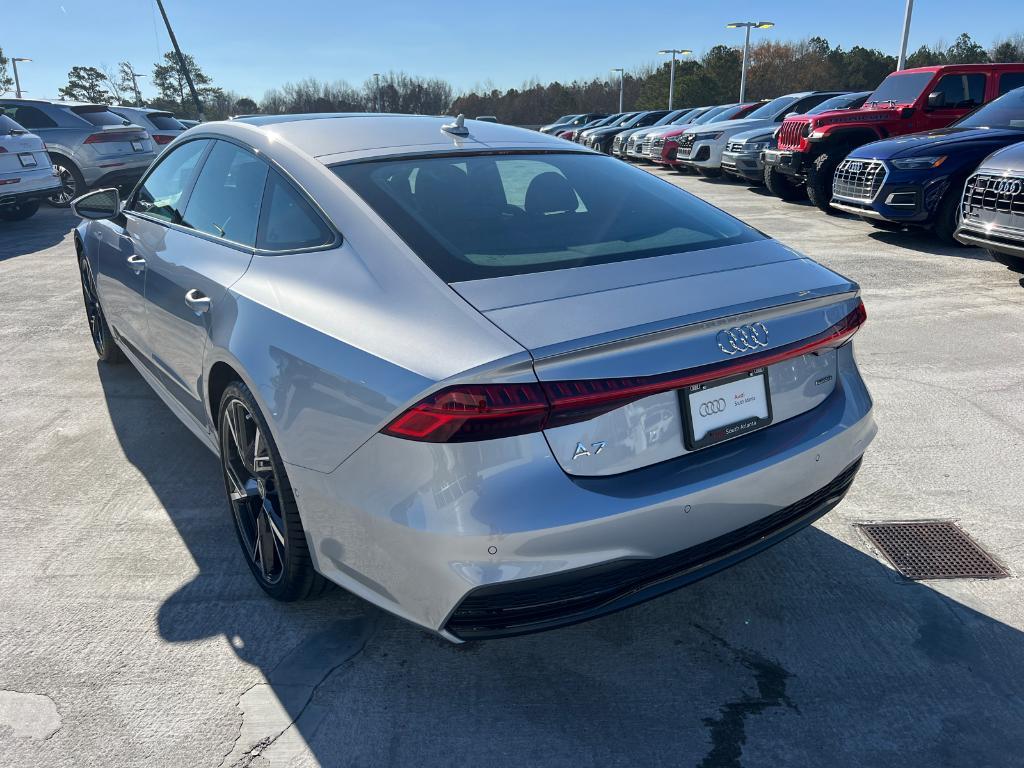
[
  {"x": 19, "y": 212},
  {"x": 819, "y": 181},
  {"x": 780, "y": 185},
  {"x": 947, "y": 217},
  {"x": 262, "y": 503}
]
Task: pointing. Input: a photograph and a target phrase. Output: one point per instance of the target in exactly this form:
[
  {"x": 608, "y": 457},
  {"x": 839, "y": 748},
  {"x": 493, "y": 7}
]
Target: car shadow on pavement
[
  {"x": 812, "y": 653},
  {"x": 44, "y": 230},
  {"x": 921, "y": 241}
]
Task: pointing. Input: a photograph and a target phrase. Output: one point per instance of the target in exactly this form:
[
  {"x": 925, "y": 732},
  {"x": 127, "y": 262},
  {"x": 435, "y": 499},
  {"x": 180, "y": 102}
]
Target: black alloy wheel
[
  {"x": 262, "y": 503},
  {"x": 106, "y": 348}
]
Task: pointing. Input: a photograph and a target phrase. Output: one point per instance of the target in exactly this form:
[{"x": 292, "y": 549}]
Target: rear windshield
[
  {"x": 903, "y": 89},
  {"x": 99, "y": 115},
  {"x": 480, "y": 216},
  {"x": 1005, "y": 112},
  {"x": 164, "y": 121}
]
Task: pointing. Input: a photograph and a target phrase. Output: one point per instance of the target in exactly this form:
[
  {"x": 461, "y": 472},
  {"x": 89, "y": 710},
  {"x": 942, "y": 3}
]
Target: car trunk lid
[{"x": 657, "y": 320}]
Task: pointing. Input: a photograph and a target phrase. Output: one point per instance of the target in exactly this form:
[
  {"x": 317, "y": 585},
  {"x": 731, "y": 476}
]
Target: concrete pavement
[{"x": 132, "y": 634}]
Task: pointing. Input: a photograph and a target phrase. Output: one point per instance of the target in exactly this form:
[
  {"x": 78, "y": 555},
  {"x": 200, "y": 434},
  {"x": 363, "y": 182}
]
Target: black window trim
[{"x": 213, "y": 138}]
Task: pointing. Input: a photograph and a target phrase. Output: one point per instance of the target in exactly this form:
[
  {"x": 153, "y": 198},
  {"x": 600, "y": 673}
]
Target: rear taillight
[
  {"x": 162, "y": 138},
  {"x": 469, "y": 412},
  {"x": 104, "y": 138}
]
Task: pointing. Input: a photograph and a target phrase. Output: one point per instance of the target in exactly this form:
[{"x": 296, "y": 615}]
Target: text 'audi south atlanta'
[{"x": 487, "y": 379}]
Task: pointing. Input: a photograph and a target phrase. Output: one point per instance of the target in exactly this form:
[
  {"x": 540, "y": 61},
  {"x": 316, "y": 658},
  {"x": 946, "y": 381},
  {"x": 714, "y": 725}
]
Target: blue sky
[{"x": 248, "y": 46}]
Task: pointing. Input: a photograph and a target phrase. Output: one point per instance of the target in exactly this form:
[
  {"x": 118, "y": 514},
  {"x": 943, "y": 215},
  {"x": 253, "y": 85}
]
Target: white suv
[{"x": 26, "y": 174}]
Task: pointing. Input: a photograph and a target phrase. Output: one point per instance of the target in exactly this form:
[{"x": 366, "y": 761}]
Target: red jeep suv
[{"x": 923, "y": 99}]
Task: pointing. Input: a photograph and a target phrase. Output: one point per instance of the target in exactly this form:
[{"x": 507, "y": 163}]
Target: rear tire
[
  {"x": 780, "y": 185},
  {"x": 106, "y": 348},
  {"x": 19, "y": 212},
  {"x": 261, "y": 500},
  {"x": 819, "y": 180},
  {"x": 72, "y": 183}
]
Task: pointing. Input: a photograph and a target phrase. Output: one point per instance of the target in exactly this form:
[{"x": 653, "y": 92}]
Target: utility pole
[
  {"x": 906, "y": 35},
  {"x": 135, "y": 84},
  {"x": 376, "y": 91},
  {"x": 672, "y": 71},
  {"x": 622, "y": 74},
  {"x": 181, "y": 62},
  {"x": 17, "y": 82}
]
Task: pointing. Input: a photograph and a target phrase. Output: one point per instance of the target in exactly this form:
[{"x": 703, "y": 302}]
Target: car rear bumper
[
  {"x": 438, "y": 533},
  {"x": 116, "y": 173},
  {"x": 37, "y": 185}
]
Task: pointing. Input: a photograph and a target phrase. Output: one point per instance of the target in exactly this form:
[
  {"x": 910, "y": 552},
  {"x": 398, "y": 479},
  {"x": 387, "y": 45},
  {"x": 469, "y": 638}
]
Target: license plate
[
  {"x": 137, "y": 146},
  {"x": 28, "y": 160},
  {"x": 720, "y": 410}
]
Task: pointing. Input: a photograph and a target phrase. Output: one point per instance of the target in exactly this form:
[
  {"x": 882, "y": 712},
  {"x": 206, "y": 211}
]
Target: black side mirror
[
  {"x": 101, "y": 204},
  {"x": 936, "y": 99}
]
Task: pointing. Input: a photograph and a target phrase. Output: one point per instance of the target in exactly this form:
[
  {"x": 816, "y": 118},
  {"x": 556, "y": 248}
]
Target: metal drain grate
[{"x": 932, "y": 550}]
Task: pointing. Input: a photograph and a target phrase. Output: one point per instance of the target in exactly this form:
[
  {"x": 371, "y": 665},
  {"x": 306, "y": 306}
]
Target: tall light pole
[
  {"x": 746, "y": 48},
  {"x": 376, "y": 91},
  {"x": 17, "y": 82},
  {"x": 672, "y": 71},
  {"x": 622, "y": 73},
  {"x": 906, "y": 34}
]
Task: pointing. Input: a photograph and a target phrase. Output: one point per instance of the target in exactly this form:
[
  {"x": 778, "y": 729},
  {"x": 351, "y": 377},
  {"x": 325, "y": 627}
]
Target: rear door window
[
  {"x": 163, "y": 192},
  {"x": 962, "y": 91},
  {"x": 225, "y": 201},
  {"x": 287, "y": 221},
  {"x": 1010, "y": 80},
  {"x": 164, "y": 122}
]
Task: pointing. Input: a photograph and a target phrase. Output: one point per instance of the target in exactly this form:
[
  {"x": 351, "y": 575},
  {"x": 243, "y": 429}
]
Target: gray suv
[{"x": 89, "y": 145}]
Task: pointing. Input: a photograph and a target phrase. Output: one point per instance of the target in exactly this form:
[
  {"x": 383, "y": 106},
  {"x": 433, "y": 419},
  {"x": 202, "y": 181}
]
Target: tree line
[{"x": 775, "y": 68}]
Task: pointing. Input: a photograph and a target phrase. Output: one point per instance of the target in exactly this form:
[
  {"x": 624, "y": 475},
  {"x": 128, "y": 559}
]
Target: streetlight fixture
[
  {"x": 749, "y": 25},
  {"x": 17, "y": 82},
  {"x": 672, "y": 71},
  {"x": 622, "y": 74}
]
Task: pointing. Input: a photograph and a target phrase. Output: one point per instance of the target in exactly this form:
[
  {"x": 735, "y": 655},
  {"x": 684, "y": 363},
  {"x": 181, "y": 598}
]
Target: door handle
[
  {"x": 136, "y": 263},
  {"x": 197, "y": 301}
]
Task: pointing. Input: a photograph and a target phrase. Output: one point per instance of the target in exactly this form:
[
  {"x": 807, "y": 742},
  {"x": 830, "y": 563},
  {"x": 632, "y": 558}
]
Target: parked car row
[
  {"x": 57, "y": 150},
  {"x": 939, "y": 147}
]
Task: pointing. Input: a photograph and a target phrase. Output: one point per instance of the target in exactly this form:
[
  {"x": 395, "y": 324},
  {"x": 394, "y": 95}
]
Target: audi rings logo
[
  {"x": 712, "y": 407},
  {"x": 1006, "y": 187},
  {"x": 745, "y": 338}
]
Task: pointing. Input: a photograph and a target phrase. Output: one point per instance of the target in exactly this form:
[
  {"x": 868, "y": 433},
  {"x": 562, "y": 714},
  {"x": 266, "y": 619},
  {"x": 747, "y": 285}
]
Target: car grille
[
  {"x": 654, "y": 150},
  {"x": 538, "y": 603},
  {"x": 686, "y": 142},
  {"x": 617, "y": 143},
  {"x": 631, "y": 144},
  {"x": 735, "y": 146},
  {"x": 995, "y": 200},
  {"x": 790, "y": 133},
  {"x": 859, "y": 180}
]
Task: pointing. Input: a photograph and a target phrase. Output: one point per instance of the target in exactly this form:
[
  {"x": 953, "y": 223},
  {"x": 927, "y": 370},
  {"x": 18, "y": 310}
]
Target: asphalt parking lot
[{"x": 132, "y": 634}]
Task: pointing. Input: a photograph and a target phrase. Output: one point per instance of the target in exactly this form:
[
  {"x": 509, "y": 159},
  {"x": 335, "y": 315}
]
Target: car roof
[
  {"x": 335, "y": 137},
  {"x": 56, "y": 102}
]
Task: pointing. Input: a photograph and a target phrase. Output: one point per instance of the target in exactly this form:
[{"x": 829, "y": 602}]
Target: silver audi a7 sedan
[{"x": 486, "y": 379}]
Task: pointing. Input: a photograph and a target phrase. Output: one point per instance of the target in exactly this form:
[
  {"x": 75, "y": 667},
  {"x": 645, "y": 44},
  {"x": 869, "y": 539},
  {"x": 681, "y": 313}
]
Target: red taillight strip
[
  {"x": 103, "y": 138},
  {"x": 468, "y": 412}
]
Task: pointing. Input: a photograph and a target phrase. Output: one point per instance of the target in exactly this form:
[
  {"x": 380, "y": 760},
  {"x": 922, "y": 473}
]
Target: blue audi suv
[{"x": 918, "y": 179}]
